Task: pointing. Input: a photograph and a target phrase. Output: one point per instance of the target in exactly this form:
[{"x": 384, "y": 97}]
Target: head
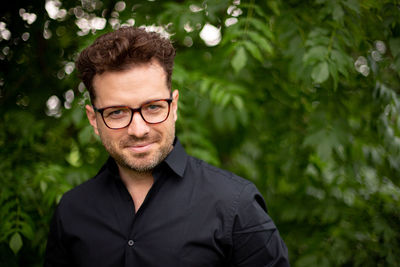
[
  {"x": 130, "y": 67},
  {"x": 121, "y": 50}
]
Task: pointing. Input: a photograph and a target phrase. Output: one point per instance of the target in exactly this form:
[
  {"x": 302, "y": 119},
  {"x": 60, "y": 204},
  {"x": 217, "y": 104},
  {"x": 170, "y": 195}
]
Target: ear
[
  {"x": 174, "y": 104},
  {"x": 91, "y": 114}
]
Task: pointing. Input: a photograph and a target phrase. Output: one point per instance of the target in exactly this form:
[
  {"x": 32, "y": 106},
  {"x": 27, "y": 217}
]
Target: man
[{"x": 151, "y": 204}]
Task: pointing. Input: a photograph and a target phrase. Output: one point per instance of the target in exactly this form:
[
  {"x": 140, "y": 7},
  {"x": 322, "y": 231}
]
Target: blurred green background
[{"x": 301, "y": 97}]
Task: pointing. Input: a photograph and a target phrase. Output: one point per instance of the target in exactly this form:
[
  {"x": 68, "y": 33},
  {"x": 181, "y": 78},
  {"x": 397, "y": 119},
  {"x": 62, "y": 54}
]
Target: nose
[{"x": 138, "y": 127}]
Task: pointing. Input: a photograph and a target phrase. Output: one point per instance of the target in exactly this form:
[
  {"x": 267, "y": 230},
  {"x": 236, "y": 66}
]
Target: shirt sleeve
[
  {"x": 56, "y": 252},
  {"x": 256, "y": 240}
]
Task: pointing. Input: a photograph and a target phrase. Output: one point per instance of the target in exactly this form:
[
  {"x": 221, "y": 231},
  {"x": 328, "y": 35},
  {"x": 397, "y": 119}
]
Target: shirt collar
[{"x": 177, "y": 158}]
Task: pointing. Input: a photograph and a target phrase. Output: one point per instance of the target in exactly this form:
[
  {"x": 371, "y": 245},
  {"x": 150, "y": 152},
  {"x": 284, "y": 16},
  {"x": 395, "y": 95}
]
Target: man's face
[{"x": 140, "y": 146}]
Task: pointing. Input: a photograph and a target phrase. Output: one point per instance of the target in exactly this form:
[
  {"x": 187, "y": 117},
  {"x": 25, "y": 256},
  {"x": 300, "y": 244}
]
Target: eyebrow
[{"x": 143, "y": 103}]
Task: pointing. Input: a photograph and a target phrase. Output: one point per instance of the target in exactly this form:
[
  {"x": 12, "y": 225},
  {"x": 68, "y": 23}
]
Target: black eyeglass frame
[{"x": 133, "y": 111}]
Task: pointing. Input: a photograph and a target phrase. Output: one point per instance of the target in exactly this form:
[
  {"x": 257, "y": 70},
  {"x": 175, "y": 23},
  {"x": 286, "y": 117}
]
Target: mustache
[{"x": 133, "y": 140}]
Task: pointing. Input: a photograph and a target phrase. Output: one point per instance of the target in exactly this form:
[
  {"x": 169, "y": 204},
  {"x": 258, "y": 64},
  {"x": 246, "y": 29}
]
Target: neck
[
  {"x": 138, "y": 184},
  {"x": 131, "y": 177}
]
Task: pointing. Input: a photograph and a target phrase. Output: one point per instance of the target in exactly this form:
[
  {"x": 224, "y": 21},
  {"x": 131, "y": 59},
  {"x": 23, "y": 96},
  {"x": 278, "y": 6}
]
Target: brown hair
[{"x": 121, "y": 50}]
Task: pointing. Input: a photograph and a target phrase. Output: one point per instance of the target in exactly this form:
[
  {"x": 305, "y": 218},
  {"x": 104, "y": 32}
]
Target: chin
[{"x": 143, "y": 162}]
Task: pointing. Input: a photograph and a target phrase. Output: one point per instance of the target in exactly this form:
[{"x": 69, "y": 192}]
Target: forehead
[{"x": 132, "y": 86}]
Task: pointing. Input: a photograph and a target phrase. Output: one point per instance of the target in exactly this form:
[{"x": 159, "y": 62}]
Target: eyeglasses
[{"x": 152, "y": 112}]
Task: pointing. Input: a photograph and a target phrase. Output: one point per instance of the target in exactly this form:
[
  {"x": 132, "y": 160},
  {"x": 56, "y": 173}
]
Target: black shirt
[{"x": 194, "y": 215}]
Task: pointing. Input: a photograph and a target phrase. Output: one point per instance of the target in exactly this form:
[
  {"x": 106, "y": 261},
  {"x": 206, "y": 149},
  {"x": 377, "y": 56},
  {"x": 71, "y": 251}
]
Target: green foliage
[{"x": 300, "y": 97}]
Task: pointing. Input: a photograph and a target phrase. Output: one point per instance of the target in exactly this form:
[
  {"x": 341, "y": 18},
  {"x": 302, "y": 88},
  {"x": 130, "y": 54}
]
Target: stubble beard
[{"x": 117, "y": 150}]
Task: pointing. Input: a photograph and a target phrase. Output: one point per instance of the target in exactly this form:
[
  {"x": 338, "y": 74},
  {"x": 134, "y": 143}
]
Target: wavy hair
[{"x": 122, "y": 49}]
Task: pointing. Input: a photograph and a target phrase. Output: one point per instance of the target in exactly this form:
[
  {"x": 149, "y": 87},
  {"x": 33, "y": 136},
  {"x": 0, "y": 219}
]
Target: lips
[
  {"x": 140, "y": 148},
  {"x": 139, "y": 145}
]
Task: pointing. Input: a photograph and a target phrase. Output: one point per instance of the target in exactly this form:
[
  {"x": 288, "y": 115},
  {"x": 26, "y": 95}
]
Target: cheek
[
  {"x": 109, "y": 137},
  {"x": 164, "y": 129},
  {"x": 169, "y": 128}
]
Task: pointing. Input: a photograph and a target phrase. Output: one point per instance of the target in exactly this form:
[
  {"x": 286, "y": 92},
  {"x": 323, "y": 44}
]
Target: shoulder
[
  {"x": 84, "y": 192},
  {"x": 237, "y": 198},
  {"x": 221, "y": 182},
  {"x": 218, "y": 175}
]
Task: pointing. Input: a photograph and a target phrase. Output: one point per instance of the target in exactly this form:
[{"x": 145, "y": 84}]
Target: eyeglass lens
[{"x": 120, "y": 117}]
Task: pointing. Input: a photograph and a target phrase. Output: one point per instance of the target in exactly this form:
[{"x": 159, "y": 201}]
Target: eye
[
  {"x": 153, "y": 107},
  {"x": 116, "y": 112}
]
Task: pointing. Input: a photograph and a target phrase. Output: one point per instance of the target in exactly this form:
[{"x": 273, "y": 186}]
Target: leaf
[
  {"x": 216, "y": 93},
  {"x": 77, "y": 115},
  {"x": 353, "y": 5},
  {"x": 257, "y": 9},
  {"x": 262, "y": 27},
  {"x": 274, "y": 7},
  {"x": 238, "y": 102},
  {"x": 239, "y": 60},
  {"x": 320, "y": 72},
  {"x": 338, "y": 12},
  {"x": 318, "y": 32},
  {"x": 216, "y": 87},
  {"x": 232, "y": 33},
  {"x": 225, "y": 99},
  {"x": 16, "y": 242},
  {"x": 43, "y": 186},
  {"x": 314, "y": 54},
  {"x": 85, "y": 134},
  {"x": 341, "y": 61},
  {"x": 27, "y": 230},
  {"x": 334, "y": 74},
  {"x": 253, "y": 49},
  {"x": 205, "y": 85},
  {"x": 397, "y": 64},
  {"x": 262, "y": 42},
  {"x": 394, "y": 45},
  {"x": 322, "y": 144},
  {"x": 74, "y": 157}
]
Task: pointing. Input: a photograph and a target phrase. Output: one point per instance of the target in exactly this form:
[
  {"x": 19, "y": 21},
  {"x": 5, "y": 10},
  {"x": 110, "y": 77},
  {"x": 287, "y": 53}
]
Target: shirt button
[{"x": 131, "y": 243}]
